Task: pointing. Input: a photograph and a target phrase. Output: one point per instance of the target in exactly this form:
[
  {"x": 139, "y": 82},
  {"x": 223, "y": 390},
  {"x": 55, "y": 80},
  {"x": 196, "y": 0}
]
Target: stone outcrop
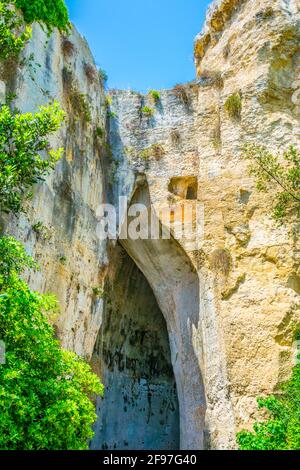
[{"x": 229, "y": 301}]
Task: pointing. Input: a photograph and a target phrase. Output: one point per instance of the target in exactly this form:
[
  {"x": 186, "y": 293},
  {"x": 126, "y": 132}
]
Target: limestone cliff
[
  {"x": 227, "y": 332},
  {"x": 59, "y": 228}
]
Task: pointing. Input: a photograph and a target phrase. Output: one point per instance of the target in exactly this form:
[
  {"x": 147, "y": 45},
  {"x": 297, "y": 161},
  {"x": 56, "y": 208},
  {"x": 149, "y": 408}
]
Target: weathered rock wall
[
  {"x": 140, "y": 407},
  {"x": 255, "y": 49},
  {"x": 231, "y": 329},
  {"x": 243, "y": 337},
  {"x": 59, "y": 228}
]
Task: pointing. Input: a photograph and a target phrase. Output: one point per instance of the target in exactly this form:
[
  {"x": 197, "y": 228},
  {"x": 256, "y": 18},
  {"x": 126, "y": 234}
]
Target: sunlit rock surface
[{"x": 226, "y": 329}]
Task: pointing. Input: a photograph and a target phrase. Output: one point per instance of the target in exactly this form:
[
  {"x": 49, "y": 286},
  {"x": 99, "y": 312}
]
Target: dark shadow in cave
[{"x": 140, "y": 409}]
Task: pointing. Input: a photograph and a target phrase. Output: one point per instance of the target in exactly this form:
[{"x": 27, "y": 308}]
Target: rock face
[
  {"x": 60, "y": 226},
  {"x": 141, "y": 406},
  {"x": 215, "y": 315}
]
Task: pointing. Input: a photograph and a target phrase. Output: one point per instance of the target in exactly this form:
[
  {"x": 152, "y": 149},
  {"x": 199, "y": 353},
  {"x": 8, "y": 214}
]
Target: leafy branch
[
  {"x": 280, "y": 174},
  {"x": 25, "y": 155}
]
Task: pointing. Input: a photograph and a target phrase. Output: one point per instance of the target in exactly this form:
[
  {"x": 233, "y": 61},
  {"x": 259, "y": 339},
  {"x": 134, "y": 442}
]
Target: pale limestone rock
[
  {"x": 2, "y": 91},
  {"x": 236, "y": 338},
  {"x": 70, "y": 254},
  {"x": 231, "y": 336}
]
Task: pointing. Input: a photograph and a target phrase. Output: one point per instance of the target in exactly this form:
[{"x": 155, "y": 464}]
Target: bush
[
  {"x": 181, "y": 93},
  {"x": 90, "y": 72},
  {"x": 147, "y": 111},
  {"x": 44, "y": 390},
  {"x": 98, "y": 292},
  {"x": 13, "y": 260},
  {"x": 53, "y": 13},
  {"x": 112, "y": 115},
  {"x": 13, "y": 36},
  {"x": 155, "y": 95},
  {"x": 282, "y": 430},
  {"x": 22, "y": 139},
  {"x": 42, "y": 231},
  {"x": 280, "y": 173},
  {"x": 156, "y": 151},
  {"x": 78, "y": 101},
  {"x": 233, "y": 106}
]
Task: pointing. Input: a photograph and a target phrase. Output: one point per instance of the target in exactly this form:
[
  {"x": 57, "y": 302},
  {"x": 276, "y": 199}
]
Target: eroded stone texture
[
  {"x": 254, "y": 51},
  {"x": 59, "y": 228},
  {"x": 230, "y": 327},
  {"x": 140, "y": 408}
]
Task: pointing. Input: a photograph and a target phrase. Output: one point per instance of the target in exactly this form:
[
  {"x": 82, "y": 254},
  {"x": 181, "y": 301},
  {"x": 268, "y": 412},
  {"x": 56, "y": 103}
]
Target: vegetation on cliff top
[
  {"x": 53, "y": 13},
  {"x": 155, "y": 95}
]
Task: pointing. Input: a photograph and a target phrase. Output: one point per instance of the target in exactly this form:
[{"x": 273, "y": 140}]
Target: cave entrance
[
  {"x": 140, "y": 409},
  {"x": 151, "y": 334}
]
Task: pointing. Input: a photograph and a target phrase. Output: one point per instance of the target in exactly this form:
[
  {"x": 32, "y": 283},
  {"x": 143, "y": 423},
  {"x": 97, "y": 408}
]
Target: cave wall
[
  {"x": 235, "y": 328},
  {"x": 140, "y": 408}
]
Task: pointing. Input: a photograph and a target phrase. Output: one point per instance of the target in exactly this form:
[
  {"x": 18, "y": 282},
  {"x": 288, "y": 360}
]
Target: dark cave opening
[{"x": 140, "y": 409}]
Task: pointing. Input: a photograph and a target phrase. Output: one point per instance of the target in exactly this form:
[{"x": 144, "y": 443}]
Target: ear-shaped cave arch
[
  {"x": 171, "y": 288},
  {"x": 140, "y": 408}
]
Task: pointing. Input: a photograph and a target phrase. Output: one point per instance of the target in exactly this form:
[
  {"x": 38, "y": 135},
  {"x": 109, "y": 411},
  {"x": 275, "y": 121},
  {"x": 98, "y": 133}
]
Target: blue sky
[{"x": 142, "y": 44}]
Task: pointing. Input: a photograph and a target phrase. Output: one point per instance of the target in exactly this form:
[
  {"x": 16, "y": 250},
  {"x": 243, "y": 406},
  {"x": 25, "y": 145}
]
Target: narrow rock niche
[
  {"x": 185, "y": 187},
  {"x": 140, "y": 409}
]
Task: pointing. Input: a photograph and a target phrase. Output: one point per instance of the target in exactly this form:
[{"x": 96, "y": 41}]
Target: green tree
[
  {"x": 280, "y": 174},
  {"x": 44, "y": 390},
  {"x": 53, "y": 13},
  {"x": 13, "y": 34},
  {"x": 282, "y": 430},
  {"x": 22, "y": 139}
]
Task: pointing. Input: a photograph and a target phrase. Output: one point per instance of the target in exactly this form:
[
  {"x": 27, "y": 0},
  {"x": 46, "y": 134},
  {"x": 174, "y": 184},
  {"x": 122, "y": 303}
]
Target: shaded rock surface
[{"x": 140, "y": 408}]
